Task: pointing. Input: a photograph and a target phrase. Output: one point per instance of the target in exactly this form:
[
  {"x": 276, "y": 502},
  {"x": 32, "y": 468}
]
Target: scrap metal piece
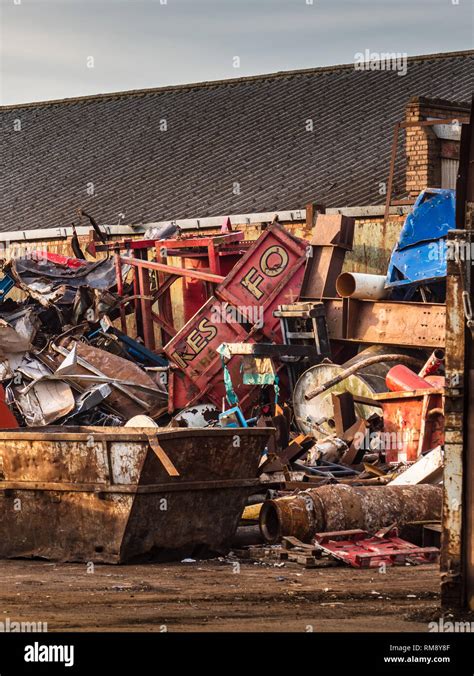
[
  {"x": 139, "y": 395},
  {"x": 341, "y": 507},
  {"x": 360, "y": 550},
  {"x": 45, "y": 402}
]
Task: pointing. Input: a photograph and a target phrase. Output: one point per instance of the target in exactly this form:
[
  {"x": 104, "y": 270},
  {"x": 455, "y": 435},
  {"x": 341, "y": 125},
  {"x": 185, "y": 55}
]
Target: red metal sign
[
  {"x": 194, "y": 350},
  {"x": 269, "y": 274}
]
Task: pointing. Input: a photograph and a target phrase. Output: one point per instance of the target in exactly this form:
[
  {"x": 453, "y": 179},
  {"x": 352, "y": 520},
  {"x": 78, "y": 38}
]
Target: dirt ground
[{"x": 218, "y": 596}]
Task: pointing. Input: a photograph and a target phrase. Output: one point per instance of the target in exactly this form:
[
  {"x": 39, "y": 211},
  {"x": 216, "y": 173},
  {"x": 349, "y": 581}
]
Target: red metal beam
[
  {"x": 170, "y": 269},
  {"x": 176, "y": 243}
]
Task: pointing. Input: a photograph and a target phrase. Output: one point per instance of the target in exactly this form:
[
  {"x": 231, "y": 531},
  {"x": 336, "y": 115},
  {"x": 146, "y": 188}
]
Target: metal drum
[{"x": 319, "y": 410}]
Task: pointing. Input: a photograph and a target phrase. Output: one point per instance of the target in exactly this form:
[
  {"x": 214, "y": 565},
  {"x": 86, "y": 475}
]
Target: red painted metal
[
  {"x": 181, "y": 390},
  {"x": 360, "y": 550},
  {"x": 193, "y": 351},
  {"x": 58, "y": 259},
  {"x": 269, "y": 274},
  {"x": 436, "y": 381},
  {"x": 205, "y": 262},
  {"x": 195, "y": 292},
  {"x": 172, "y": 270},
  {"x": 413, "y": 424},
  {"x": 433, "y": 364},
  {"x": 183, "y": 242},
  {"x": 402, "y": 379},
  {"x": 7, "y": 419}
]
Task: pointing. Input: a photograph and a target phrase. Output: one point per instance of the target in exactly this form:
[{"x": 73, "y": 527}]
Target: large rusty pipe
[{"x": 340, "y": 507}]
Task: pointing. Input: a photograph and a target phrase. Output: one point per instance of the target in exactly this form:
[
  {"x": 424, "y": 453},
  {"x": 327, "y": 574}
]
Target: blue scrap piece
[
  {"x": 6, "y": 285},
  {"x": 233, "y": 417},
  {"x": 419, "y": 256}
]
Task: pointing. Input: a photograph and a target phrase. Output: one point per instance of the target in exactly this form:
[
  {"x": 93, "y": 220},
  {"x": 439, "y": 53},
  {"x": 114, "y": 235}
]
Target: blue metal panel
[{"x": 420, "y": 253}]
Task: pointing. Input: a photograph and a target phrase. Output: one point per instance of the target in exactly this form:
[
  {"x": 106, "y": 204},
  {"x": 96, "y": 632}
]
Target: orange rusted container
[
  {"x": 412, "y": 413},
  {"x": 115, "y": 495}
]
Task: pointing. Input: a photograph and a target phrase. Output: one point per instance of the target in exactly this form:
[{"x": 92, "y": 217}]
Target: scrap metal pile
[
  {"x": 359, "y": 427},
  {"x": 58, "y": 362}
]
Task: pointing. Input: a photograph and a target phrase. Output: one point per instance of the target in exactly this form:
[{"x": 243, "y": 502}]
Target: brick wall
[{"x": 423, "y": 148}]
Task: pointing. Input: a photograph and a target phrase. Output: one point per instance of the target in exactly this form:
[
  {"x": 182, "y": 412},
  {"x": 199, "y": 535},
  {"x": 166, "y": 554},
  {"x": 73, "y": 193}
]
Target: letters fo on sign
[{"x": 273, "y": 263}]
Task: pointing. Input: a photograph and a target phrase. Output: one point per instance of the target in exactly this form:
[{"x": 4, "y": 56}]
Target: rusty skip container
[
  {"x": 269, "y": 274},
  {"x": 113, "y": 495},
  {"x": 340, "y": 507},
  {"x": 194, "y": 350}
]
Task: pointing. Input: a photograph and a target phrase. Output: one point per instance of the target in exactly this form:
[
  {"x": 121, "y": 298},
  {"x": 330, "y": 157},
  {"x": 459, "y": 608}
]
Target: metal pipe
[
  {"x": 401, "y": 358},
  {"x": 246, "y": 536},
  {"x": 360, "y": 285},
  {"x": 433, "y": 364},
  {"x": 340, "y": 507},
  {"x": 172, "y": 270}
]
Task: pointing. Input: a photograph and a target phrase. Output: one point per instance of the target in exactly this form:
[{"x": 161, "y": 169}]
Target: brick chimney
[{"x": 432, "y": 153}]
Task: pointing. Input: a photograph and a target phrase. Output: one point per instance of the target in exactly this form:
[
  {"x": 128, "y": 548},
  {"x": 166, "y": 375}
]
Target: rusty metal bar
[
  {"x": 118, "y": 274},
  {"x": 432, "y": 123},
  {"x": 145, "y": 287},
  {"x": 163, "y": 324},
  {"x": 457, "y": 554},
  {"x": 386, "y": 322},
  {"x": 172, "y": 270},
  {"x": 342, "y": 507},
  {"x": 76, "y": 487}
]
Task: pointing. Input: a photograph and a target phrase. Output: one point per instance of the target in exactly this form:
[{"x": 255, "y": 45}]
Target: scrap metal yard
[{"x": 246, "y": 413}]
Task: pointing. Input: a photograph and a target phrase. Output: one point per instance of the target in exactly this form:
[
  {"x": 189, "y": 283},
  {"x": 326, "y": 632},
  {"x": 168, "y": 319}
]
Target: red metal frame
[{"x": 152, "y": 279}]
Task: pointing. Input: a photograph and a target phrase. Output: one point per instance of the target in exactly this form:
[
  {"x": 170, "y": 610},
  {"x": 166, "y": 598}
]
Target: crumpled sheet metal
[
  {"x": 11, "y": 341},
  {"x": 49, "y": 282},
  {"x": 46, "y": 401},
  {"x": 113, "y": 366}
]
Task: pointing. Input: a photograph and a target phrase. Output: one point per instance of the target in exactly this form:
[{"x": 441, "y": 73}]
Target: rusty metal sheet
[
  {"x": 386, "y": 322},
  {"x": 125, "y": 400},
  {"x": 102, "y": 494},
  {"x": 453, "y": 495}
]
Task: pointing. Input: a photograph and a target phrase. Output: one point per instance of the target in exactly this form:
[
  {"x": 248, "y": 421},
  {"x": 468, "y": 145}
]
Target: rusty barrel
[
  {"x": 113, "y": 495},
  {"x": 340, "y": 507}
]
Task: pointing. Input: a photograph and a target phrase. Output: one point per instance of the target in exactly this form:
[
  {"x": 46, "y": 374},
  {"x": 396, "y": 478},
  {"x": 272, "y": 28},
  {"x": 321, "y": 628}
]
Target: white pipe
[{"x": 360, "y": 285}]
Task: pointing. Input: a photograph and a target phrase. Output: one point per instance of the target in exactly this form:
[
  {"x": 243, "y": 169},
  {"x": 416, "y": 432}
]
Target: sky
[{"x": 52, "y": 49}]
